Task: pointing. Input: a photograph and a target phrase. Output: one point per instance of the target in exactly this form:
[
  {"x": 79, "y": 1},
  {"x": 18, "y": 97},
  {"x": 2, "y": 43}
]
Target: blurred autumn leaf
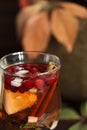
[
  {"x": 64, "y": 27},
  {"x": 36, "y": 23},
  {"x": 37, "y": 32}
]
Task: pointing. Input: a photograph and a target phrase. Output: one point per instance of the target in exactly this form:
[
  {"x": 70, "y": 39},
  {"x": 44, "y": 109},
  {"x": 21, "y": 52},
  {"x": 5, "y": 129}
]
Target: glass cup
[{"x": 30, "y": 93}]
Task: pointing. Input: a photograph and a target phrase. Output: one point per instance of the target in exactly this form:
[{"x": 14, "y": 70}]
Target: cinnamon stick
[
  {"x": 47, "y": 101},
  {"x": 34, "y": 111}
]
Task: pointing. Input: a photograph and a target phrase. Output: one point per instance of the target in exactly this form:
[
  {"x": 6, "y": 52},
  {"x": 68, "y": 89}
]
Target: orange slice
[{"x": 15, "y": 102}]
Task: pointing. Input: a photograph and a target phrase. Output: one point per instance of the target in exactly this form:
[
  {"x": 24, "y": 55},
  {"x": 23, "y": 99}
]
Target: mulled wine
[{"x": 31, "y": 96}]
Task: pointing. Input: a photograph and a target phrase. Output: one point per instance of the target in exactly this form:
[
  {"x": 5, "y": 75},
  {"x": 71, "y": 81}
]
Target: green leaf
[
  {"x": 78, "y": 126},
  {"x": 75, "y": 126},
  {"x": 83, "y": 109},
  {"x": 69, "y": 113},
  {"x": 84, "y": 127}
]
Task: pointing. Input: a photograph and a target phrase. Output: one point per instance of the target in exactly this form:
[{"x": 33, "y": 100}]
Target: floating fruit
[
  {"x": 39, "y": 83},
  {"x": 15, "y": 102},
  {"x": 16, "y": 82}
]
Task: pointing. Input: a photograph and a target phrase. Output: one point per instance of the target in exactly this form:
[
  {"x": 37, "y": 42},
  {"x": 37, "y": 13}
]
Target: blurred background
[
  {"x": 8, "y": 11},
  {"x": 8, "y": 39}
]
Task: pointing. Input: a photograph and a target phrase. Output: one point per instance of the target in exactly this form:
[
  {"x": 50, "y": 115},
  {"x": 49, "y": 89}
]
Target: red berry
[
  {"x": 13, "y": 89},
  {"x": 22, "y": 89},
  {"x": 28, "y": 84},
  {"x": 42, "y": 68},
  {"x": 34, "y": 70},
  {"x": 51, "y": 79},
  {"x": 39, "y": 83},
  {"x": 8, "y": 79},
  {"x": 7, "y": 86},
  {"x": 27, "y": 66}
]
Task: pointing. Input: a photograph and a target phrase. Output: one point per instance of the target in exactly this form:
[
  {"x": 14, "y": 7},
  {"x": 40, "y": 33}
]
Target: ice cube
[
  {"x": 32, "y": 119},
  {"x": 22, "y": 72},
  {"x": 33, "y": 90},
  {"x": 16, "y": 82}
]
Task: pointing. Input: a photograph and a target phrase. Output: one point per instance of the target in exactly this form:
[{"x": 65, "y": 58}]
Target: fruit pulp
[{"x": 30, "y": 98}]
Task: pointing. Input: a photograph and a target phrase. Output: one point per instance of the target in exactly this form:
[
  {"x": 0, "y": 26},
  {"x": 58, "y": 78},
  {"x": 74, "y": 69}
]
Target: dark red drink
[{"x": 31, "y": 96}]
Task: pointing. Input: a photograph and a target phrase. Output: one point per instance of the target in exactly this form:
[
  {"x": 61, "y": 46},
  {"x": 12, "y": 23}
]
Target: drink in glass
[{"x": 30, "y": 91}]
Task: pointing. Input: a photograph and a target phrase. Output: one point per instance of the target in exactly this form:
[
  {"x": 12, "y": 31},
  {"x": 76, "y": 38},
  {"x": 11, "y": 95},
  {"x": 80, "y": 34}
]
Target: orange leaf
[
  {"x": 36, "y": 33},
  {"x": 26, "y": 13},
  {"x": 76, "y": 9},
  {"x": 64, "y": 27}
]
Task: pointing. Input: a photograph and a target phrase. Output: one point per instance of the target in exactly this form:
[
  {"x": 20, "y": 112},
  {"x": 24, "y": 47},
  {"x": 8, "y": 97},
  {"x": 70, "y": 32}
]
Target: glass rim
[{"x": 37, "y": 52}]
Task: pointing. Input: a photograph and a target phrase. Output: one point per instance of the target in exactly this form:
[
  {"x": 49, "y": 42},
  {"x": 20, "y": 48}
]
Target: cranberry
[
  {"x": 28, "y": 84},
  {"x": 7, "y": 86},
  {"x": 22, "y": 89},
  {"x": 13, "y": 89},
  {"x": 51, "y": 79},
  {"x": 27, "y": 66},
  {"x": 39, "y": 83},
  {"x": 42, "y": 68},
  {"x": 13, "y": 69},
  {"x": 35, "y": 65},
  {"x": 34, "y": 70},
  {"x": 8, "y": 79}
]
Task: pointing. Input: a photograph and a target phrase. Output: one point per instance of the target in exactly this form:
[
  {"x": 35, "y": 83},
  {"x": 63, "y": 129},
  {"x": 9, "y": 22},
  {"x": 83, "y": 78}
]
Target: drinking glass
[{"x": 30, "y": 93}]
